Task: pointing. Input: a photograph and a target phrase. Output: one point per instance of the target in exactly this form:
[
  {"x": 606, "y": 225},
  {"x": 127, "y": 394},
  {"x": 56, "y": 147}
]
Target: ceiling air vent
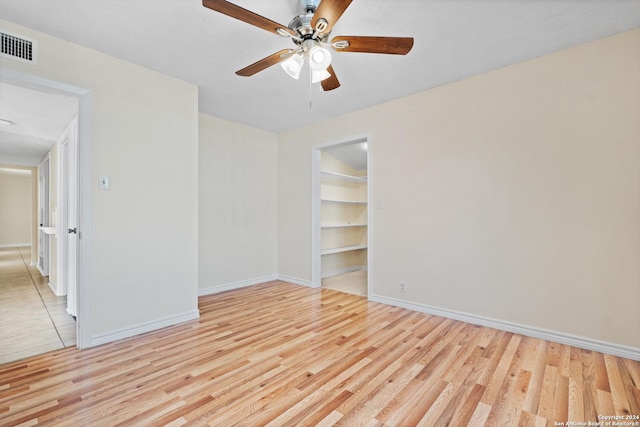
[{"x": 17, "y": 48}]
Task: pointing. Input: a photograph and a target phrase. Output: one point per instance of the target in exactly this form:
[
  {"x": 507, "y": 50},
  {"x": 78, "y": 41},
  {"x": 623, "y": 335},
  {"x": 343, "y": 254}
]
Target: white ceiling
[
  {"x": 39, "y": 119},
  {"x": 454, "y": 39}
]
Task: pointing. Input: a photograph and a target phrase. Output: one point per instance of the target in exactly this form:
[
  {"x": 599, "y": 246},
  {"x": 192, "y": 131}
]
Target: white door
[
  {"x": 63, "y": 217},
  {"x": 71, "y": 154}
]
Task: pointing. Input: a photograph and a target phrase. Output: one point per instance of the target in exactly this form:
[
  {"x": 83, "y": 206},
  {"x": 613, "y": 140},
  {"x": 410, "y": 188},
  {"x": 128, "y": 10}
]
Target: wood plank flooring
[
  {"x": 280, "y": 354},
  {"x": 354, "y": 282},
  {"x": 33, "y": 320}
]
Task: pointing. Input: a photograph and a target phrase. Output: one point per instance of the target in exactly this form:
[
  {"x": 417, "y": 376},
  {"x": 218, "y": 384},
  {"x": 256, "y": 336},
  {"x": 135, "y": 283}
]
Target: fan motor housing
[{"x": 301, "y": 24}]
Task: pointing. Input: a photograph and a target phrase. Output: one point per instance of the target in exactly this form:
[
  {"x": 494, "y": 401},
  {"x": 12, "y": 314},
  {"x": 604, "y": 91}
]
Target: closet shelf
[
  {"x": 343, "y": 249},
  {"x": 342, "y": 225},
  {"x": 349, "y": 202},
  {"x": 327, "y": 174}
]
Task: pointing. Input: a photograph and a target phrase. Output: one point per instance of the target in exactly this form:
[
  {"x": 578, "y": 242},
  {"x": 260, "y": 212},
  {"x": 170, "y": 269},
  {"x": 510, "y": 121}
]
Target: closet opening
[{"x": 341, "y": 216}]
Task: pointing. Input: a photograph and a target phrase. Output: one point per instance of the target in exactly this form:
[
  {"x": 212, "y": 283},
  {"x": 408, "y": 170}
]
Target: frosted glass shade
[
  {"x": 319, "y": 58},
  {"x": 318, "y": 76},
  {"x": 293, "y": 65}
]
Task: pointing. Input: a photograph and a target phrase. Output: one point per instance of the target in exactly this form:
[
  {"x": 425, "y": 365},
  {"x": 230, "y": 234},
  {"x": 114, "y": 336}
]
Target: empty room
[{"x": 381, "y": 213}]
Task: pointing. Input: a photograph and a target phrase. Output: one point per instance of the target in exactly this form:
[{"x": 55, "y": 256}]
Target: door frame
[
  {"x": 316, "y": 229},
  {"x": 62, "y": 211},
  {"x": 70, "y": 206},
  {"x": 83, "y": 271},
  {"x": 44, "y": 190}
]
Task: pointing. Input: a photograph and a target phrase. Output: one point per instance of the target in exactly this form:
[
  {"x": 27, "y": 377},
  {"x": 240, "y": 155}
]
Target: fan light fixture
[
  {"x": 318, "y": 76},
  {"x": 293, "y": 65},
  {"x": 319, "y": 61},
  {"x": 309, "y": 31},
  {"x": 319, "y": 58}
]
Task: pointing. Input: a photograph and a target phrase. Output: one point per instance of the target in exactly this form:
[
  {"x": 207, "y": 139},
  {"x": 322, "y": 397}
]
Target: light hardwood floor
[
  {"x": 282, "y": 354},
  {"x": 354, "y": 282},
  {"x": 33, "y": 319}
]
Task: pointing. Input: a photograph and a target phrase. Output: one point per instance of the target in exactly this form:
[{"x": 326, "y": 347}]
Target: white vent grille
[{"x": 17, "y": 47}]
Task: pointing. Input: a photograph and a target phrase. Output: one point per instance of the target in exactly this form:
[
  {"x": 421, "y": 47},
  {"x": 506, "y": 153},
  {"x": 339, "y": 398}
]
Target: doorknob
[{"x": 73, "y": 230}]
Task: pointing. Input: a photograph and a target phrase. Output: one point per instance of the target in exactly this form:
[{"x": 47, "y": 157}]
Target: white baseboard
[
  {"x": 234, "y": 285},
  {"x": 141, "y": 328},
  {"x": 250, "y": 282},
  {"x": 295, "y": 280},
  {"x": 344, "y": 271},
  {"x": 14, "y": 245},
  {"x": 55, "y": 290},
  {"x": 531, "y": 331},
  {"x": 39, "y": 267}
]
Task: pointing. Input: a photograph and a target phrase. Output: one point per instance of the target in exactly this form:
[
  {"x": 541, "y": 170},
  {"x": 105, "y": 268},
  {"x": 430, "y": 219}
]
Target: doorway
[
  {"x": 341, "y": 216},
  {"x": 74, "y": 205}
]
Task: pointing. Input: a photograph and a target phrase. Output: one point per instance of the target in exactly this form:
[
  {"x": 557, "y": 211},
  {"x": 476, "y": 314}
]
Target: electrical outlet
[{"x": 403, "y": 287}]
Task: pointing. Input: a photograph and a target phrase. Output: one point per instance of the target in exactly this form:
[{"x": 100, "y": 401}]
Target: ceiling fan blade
[
  {"x": 265, "y": 63},
  {"x": 332, "y": 82},
  {"x": 245, "y": 15},
  {"x": 331, "y": 11},
  {"x": 390, "y": 45}
]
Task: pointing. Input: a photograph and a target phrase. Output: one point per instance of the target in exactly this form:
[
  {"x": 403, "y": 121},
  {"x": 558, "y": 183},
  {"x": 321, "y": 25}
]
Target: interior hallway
[{"x": 33, "y": 320}]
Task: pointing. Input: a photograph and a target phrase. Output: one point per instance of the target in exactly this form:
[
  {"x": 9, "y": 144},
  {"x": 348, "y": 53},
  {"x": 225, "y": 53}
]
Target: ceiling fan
[{"x": 310, "y": 33}]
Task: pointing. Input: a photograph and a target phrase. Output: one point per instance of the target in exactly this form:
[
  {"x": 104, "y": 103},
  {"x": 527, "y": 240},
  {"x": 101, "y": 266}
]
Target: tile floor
[
  {"x": 354, "y": 283},
  {"x": 33, "y": 320}
]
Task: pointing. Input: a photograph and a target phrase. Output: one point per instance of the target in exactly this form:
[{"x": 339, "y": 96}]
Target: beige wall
[
  {"x": 15, "y": 209},
  {"x": 513, "y": 195},
  {"x": 237, "y": 204},
  {"x": 144, "y": 136}
]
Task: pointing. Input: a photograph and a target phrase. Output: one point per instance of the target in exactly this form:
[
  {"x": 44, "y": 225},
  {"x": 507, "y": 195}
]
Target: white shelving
[
  {"x": 343, "y": 249},
  {"x": 341, "y": 176},
  {"x": 346, "y": 202},
  {"x": 342, "y": 225},
  {"x": 344, "y": 221},
  {"x": 343, "y": 212}
]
